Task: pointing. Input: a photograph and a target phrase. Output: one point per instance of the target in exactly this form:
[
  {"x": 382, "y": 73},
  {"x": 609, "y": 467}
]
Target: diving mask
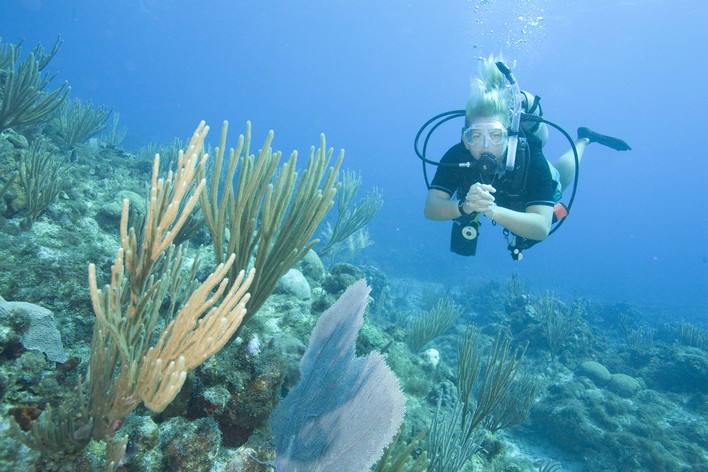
[{"x": 485, "y": 134}]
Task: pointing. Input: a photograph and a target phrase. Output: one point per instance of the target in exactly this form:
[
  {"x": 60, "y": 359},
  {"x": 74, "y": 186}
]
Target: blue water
[{"x": 369, "y": 73}]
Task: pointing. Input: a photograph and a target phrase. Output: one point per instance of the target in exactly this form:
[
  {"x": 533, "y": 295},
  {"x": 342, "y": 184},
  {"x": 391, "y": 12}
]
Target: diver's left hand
[{"x": 480, "y": 198}]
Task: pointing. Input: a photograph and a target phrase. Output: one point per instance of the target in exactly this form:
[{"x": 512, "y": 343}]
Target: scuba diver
[{"x": 498, "y": 169}]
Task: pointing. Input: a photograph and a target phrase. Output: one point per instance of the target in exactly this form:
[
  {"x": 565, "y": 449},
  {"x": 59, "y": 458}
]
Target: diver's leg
[{"x": 566, "y": 163}]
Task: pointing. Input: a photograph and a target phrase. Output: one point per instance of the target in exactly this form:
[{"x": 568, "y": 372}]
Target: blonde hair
[{"x": 489, "y": 93}]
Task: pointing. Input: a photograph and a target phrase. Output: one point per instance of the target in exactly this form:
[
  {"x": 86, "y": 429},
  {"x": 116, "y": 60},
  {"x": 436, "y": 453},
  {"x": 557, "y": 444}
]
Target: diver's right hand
[{"x": 479, "y": 197}]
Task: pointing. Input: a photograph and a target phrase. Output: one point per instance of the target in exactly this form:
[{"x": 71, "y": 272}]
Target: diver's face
[{"x": 486, "y": 135}]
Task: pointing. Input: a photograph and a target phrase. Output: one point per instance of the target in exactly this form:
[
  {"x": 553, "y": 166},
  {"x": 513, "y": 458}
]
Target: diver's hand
[{"x": 479, "y": 198}]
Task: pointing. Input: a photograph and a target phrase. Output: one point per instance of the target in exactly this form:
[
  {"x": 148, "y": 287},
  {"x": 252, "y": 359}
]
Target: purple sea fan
[{"x": 346, "y": 409}]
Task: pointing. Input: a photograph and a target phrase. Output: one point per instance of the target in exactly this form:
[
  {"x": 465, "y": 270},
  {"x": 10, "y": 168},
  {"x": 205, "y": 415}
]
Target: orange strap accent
[{"x": 560, "y": 211}]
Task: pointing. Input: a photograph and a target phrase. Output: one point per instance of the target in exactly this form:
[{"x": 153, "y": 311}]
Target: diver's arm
[
  {"x": 534, "y": 223},
  {"x": 439, "y": 206}
]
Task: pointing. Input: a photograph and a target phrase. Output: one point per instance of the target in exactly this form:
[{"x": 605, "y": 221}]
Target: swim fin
[{"x": 609, "y": 141}]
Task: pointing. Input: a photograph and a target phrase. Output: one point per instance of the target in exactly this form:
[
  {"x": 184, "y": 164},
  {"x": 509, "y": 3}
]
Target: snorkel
[{"x": 515, "y": 116}]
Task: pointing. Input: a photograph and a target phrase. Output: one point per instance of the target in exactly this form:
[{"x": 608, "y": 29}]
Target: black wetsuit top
[{"x": 539, "y": 187}]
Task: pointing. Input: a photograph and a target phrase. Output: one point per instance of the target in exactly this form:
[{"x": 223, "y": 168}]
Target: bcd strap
[
  {"x": 536, "y": 104},
  {"x": 518, "y": 177}
]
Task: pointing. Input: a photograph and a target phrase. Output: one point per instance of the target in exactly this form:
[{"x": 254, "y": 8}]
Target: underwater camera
[{"x": 465, "y": 231}]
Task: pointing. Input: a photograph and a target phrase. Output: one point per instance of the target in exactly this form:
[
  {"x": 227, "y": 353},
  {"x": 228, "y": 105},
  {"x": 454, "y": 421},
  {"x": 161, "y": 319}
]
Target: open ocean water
[{"x": 368, "y": 74}]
